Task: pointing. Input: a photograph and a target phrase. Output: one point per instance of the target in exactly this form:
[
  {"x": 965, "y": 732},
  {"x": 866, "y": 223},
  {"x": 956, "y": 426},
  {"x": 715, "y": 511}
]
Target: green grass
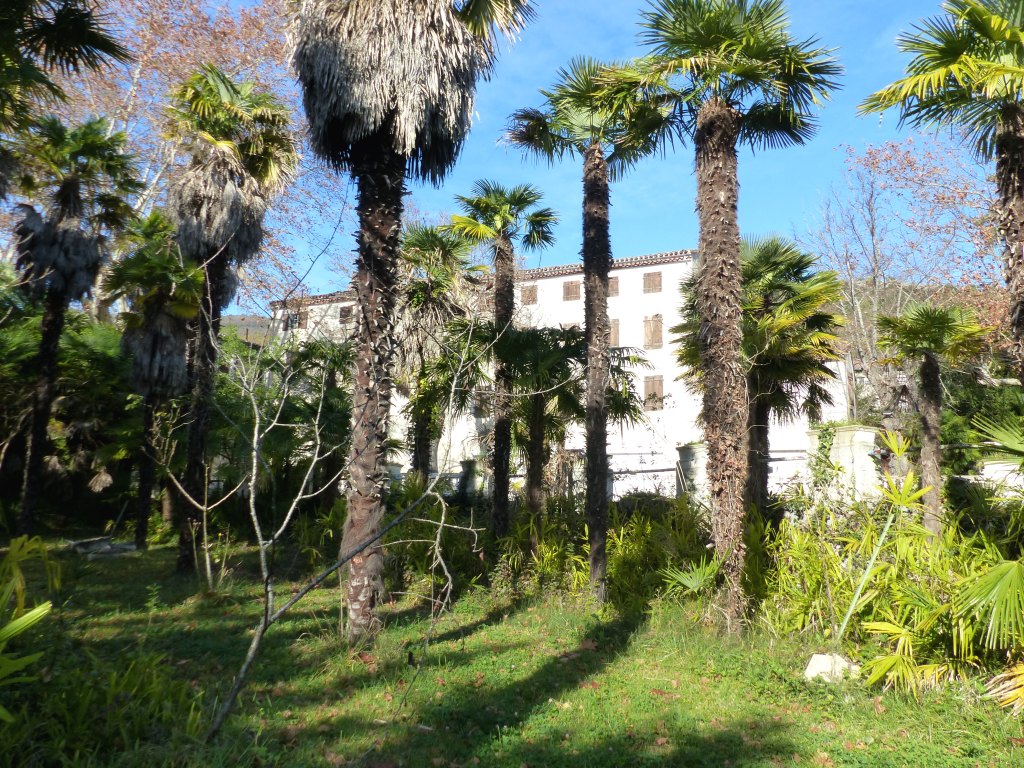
[{"x": 543, "y": 683}]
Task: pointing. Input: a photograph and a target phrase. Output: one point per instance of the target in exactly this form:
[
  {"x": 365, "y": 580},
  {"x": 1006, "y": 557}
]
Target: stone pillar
[{"x": 692, "y": 470}]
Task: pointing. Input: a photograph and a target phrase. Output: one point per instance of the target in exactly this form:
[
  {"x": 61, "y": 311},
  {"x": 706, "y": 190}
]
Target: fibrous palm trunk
[
  {"x": 147, "y": 471},
  {"x": 204, "y": 369},
  {"x": 535, "y": 458},
  {"x": 1010, "y": 183},
  {"x": 758, "y": 455},
  {"x": 719, "y": 307},
  {"x": 931, "y": 443},
  {"x": 422, "y": 428},
  {"x": 42, "y": 402},
  {"x": 597, "y": 258},
  {"x": 380, "y": 177},
  {"x": 504, "y": 309}
]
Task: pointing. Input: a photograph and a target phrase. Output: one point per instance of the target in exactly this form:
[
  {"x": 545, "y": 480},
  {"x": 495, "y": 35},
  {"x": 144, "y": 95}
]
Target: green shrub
[
  {"x": 90, "y": 709},
  {"x": 939, "y": 608},
  {"x": 646, "y": 534},
  {"x": 15, "y": 618}
]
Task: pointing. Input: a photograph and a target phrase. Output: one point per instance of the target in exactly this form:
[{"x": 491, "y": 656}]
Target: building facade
[{"x": 661, "y": 455}]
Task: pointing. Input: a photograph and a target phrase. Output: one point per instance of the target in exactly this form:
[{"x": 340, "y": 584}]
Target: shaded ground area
[{"x": 540, "y": 683}]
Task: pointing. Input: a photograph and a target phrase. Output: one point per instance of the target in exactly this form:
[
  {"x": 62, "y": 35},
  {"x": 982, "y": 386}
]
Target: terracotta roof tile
[{"x": 576, "y": 268}]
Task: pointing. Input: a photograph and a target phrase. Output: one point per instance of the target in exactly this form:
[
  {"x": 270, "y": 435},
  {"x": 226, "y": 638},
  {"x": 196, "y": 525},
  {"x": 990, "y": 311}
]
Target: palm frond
[{"x": 996, "y": 597}]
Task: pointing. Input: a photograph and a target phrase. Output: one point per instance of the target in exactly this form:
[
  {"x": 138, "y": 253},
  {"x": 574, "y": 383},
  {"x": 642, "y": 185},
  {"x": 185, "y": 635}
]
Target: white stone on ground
[{"x": 830, "y": 667}]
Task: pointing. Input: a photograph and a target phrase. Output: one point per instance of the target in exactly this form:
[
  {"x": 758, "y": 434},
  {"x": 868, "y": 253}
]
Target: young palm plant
[
  {"x": 788, "y": 340},
  {"x": 163, "y": 293},
  {"x": 437, "y": 288},
  {"x": 547, "y": 370},
  {"x": 241, "y": 152},
  {"x": 80, "y": 176},
  {"x": 967, "y": 74},
  {"x": 735, "y": 76},
  {"x": 388, "y": 89},
  {"x": 501, "y": 217},
  {"x": 573, "y": 121},
  {"x": 929, "y": 335}
]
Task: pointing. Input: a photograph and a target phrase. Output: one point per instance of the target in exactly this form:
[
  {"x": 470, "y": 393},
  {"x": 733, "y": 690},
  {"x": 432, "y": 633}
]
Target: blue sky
[{"x": 653, "y": 209}]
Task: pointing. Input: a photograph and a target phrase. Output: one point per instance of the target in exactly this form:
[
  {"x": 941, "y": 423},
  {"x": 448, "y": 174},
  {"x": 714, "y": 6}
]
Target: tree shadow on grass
[
  {"x": 484, "y": 724},
  {"x": 482, "y": 713}
]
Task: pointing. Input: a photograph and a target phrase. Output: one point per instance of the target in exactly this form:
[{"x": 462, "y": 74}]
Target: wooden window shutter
[
  {"x": 613, "y": 334},
  {"x": 528, "y": 294},
  {"x": 345, "y": 313},
  {"x": 571, "y": 291},
  {"x": 652, "y": 332},
  {"x": 654, "y": 393},
  {"x": 613, "y": 286},
  {"x": 652, "y": 282},
  {"x": 303, "y": 319}
]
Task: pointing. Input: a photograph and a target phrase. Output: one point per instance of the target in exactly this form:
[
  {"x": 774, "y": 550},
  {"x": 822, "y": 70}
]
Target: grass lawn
[{"x": 544, "y": 683}]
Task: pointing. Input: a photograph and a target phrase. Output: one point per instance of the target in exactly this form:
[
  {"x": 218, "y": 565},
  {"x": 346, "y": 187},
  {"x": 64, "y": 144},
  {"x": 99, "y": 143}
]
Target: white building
[{"x": 643, "y": 304}]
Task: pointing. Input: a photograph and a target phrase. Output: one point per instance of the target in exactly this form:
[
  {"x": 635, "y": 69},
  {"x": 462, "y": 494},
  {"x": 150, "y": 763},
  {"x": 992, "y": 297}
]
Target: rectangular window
[
  {"x": 613, "y": 286},
  {"x": 528, "y": 294},
  {"x": 652, "y": 332},
  {"x": 571, "y": 291},
  {"x": 613, "y": 335},
  {"x": 654, "y": 393},
  {"x": 295, "y": 320},
  {"x": 345, "y": 314},
  {"x": 652, "y": 282}
]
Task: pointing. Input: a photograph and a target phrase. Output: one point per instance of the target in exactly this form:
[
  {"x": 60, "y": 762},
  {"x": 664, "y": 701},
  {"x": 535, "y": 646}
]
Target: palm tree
[
  {"x": 241, "y": 152},
  {"x": 503, "y": 216},
  {"x": 80, "y": 176},
  {"x": 41, "y": 37},
  {"x": 436, "y": 289},
  {"x": 388, "y": 90},
  {"x": 163, "y": 293},
  {"x": 931, "y": 335},
  {"x": 788, "y": 341},
  {"x": 967, "y": 74},
  {"x": 547, "y": 370},
  {"x": 573, "y": 121},
  {"x": 736, "y": 76}
]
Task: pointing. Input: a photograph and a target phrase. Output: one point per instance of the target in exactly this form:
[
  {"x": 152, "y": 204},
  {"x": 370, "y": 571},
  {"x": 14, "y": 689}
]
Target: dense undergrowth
[
  {"x": 520, "y": 668},
  {"x": 133, "y": 658}
]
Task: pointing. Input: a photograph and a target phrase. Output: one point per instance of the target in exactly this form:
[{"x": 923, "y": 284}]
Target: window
[
  {"x": 654, "y": 393},
  {"x": 571, "y": 291},
  {"x": 613, "y": 335},
  {"x": 345, "y": 314},
  {"x": 295, "y": 320},
  {"x": 652, "y": 332},
  {"x": 528, "y": 294},
  {"x": 652, "y": 282},
  {"x": 613, "y": 286}
]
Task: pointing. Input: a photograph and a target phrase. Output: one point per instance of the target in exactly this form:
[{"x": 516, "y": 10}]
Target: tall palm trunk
[
  {"x": 1010, "y": 183},
  {"x": 719, "y": 307},
  {"x": 422, "y": 428},
  {"x": 380, "y": 176},
  {"x": 42, "y": 402},
  {"x": 147, "y": 471},
  {"x": 535, "y": 459},
  {"x": 931, "y": 444},
  {"x": 204, "y": 369},
  {"x": 757, "y": 455},
  {"x": 504, "y": 309},
  {"x": 597, "y": 257}
]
